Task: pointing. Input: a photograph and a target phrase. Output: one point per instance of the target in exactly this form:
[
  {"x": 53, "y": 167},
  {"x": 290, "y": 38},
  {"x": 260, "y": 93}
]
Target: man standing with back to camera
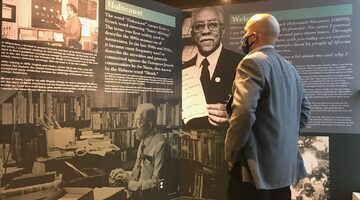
[
  {"x": 269, "y": 109},
  {"x": 213, "y": 65}
]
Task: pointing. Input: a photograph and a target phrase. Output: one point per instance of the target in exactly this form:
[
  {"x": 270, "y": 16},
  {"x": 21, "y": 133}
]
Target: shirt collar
[
  {"x": 261, "y": 47},
  {"x": 212, "y": 58}
]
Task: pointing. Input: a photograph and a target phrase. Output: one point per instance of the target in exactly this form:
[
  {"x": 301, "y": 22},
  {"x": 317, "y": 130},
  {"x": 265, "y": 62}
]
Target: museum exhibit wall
[{"x": 57, "y": 90}]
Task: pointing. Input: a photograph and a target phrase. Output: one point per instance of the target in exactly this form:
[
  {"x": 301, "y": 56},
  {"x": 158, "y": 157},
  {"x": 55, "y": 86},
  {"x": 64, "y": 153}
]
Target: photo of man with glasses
[{"x": 213, "y": 65}]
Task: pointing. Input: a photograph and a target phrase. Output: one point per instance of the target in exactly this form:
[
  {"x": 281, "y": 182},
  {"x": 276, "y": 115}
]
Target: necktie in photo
[
  {"x": 142, "y": 154},
  {"x": 141, "y": 158},
  {"x": 205, "y": 76}
]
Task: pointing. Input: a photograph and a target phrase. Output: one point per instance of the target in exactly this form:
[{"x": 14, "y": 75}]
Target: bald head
[
  {"x": 265, "y": 26},
  {"x": 145, "y": 120},
  {"x": 146, "y": 112}
]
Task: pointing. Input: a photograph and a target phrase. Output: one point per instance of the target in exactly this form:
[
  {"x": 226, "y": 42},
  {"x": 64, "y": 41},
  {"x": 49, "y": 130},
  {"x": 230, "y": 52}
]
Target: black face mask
[{"x": 244, "y": 43}]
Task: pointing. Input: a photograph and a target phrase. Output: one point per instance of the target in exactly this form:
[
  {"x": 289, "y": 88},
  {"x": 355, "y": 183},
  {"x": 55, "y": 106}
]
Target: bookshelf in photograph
[
  {"x": 125, "y": 140},
  {"x": 201, "y": 153},
  {"x": 25, "y": 115},
  {"x": 35, "y": 107},
  {"x": 172, "y": 135},
  {"x": 111, "y": 118},
  {"x": 204, "y": 185},
  {"x": 169, "y": 113},
  {"x": 204, "y": 147},
  {"x": 117, "y": 124},
  {"x": 26, "y": 144},
  {"x": 116, "y": 110},
  {"x": 112, "y": 115}
]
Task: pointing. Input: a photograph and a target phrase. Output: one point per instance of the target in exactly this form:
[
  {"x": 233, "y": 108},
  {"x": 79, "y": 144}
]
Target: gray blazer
[{"x": 269, "y": 109}]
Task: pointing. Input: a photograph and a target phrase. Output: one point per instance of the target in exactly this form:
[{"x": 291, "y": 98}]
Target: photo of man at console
[{"x": 149, "y": 174}]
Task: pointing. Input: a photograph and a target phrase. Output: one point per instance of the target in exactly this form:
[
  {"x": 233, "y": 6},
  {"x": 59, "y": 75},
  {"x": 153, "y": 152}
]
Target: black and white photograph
[
  {"x": 315, "y": 153},
  {"x": 62, "y": 23},
  {"x": 122, "y": 145},
  {"x": 208, "y": 69},
  {"x": 207, "y": 76}
]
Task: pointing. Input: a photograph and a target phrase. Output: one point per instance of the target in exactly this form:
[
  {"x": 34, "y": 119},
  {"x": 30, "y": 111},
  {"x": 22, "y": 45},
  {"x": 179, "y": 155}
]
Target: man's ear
[
  {"x": 148, "y": 124},
  {"x": 151, "y": 124},
  {"x": 256, "y": 36}
]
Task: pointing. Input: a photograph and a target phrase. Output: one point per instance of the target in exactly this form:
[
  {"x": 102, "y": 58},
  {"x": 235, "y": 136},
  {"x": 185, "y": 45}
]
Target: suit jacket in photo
[
  {"x": 269, "y": 109},
  {"x": 220, "y": 84}
]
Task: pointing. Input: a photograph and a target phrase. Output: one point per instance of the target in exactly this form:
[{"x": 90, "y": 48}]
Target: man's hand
[
  {"x": 118, "y": 177},
  {"x": 59, "y": 17},
  {"x": 217, "y": 114}
]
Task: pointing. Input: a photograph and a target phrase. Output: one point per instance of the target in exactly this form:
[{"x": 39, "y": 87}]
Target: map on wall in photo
[{"x": 315, "y": 153}]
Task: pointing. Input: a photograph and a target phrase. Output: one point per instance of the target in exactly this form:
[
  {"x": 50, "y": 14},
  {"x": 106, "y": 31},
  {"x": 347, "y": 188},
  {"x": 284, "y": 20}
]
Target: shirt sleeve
[{"x": 248, "y": 84}]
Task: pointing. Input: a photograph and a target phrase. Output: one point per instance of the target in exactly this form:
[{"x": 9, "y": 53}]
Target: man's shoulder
[
  {"x": 265, "y": 53},
  {"x": 159, "y": 138},
  {"x": 189, "y": 63}
]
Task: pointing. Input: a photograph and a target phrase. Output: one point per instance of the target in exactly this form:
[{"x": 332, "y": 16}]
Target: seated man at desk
[{"x": 152, "y": 156}]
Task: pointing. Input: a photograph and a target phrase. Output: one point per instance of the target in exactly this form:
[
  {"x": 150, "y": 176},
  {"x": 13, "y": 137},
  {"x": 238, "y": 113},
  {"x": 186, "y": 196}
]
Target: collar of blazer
[{"x": 261, "y": 48}]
